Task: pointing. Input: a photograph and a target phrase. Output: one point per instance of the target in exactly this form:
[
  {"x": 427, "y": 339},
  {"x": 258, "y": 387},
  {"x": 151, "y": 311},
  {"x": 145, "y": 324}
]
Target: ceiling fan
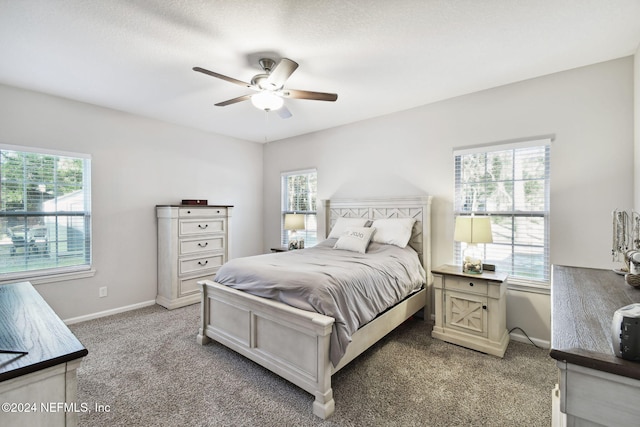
[{"x": 270, "y": 87}]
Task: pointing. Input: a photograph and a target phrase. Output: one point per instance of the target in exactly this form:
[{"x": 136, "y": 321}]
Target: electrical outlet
[{"x": 102, "y": 292}]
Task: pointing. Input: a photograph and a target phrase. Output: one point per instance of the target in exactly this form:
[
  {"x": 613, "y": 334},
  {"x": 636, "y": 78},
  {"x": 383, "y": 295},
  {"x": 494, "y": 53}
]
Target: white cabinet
[
  {"x": 193, "y": 242},
  {"x": 470, "y": 309}
]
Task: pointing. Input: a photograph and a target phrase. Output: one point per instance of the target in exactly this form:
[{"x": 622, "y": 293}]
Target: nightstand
[{"x": 470, "y": 309}]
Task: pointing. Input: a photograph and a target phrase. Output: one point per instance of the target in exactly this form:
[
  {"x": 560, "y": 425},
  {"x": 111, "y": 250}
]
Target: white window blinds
[
  {"x": 299, "y": 190},
  {"x": 510, "y": 183},
  {"x": 45, "y": 212}
]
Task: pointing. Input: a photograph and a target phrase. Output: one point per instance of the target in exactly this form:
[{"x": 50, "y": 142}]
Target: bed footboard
[{"x": 290, "y": 342}]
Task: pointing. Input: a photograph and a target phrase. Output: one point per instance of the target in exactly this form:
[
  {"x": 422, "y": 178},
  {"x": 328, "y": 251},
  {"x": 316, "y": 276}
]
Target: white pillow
[
  {"x": 342, "y": 224},
  {"x": 393, "y": 231},
  {"x": 355, "y": 239}
]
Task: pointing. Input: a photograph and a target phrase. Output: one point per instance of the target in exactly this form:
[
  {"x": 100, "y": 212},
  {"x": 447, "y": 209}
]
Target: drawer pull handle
[
  {"x": 203, "y": 246},
  {"x": 205, "y": 226},
  {"x": 205, "y": 263},
  {"x": 470, "y": 283},
  {"x": 484, "y": 307},
  {"x": 188, "y": 212}
]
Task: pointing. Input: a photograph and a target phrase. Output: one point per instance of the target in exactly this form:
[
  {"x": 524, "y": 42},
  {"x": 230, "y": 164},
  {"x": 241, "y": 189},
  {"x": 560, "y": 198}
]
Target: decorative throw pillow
[
  {"x": 355, "y": 239},
  {"x": 393, "y": 231},
  {"x": 342, "y": 224}
]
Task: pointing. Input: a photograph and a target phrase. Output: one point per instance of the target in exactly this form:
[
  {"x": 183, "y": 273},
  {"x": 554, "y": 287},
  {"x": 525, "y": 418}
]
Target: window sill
[
  {"x": 51, "y": 277},
  {"x": 523, "y": 286}
]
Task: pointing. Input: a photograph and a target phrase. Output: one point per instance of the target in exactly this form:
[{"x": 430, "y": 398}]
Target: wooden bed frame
[{"x": 294, "y": 343}]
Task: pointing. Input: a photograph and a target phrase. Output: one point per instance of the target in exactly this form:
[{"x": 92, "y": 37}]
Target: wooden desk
[
  {"x": 595, "y": 385},
  {"x": 38, "y": 388}
]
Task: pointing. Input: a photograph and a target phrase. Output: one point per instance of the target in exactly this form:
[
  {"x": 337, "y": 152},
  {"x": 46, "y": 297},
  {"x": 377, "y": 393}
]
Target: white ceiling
[{"x": 380, "y": 56}]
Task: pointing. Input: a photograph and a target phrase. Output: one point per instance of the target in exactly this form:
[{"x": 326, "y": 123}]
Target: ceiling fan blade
[
  {"x": 305, "y": 94},
  {"x": 284, "y": 112},
  {"x": 282, "y": 72},
  {"x": 233, "y": 101},
  {"x": 223, "y": 77}
]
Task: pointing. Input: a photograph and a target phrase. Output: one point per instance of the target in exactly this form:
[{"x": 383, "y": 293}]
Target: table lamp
[
  {"x": 294, "y": 222},
  {"x": 472, "y": 230}
]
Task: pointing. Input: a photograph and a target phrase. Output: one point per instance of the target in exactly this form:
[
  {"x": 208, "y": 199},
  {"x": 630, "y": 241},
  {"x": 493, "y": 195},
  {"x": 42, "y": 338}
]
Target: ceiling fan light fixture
[
  {"x": 270, "y": 87},
  {"x": 267, "y": 101}
]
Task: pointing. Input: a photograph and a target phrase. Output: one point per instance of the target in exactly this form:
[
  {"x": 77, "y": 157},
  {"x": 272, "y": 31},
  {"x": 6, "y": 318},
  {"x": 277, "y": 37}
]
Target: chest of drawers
[{"x": 193, "y": 242}]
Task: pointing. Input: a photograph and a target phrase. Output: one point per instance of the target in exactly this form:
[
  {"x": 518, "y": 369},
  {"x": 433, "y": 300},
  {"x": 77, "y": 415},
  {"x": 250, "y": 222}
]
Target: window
[
  {"x": 299, "y": 190},
  {"x": 510, "y": 183},
  {"x": 45, "y": 215}
]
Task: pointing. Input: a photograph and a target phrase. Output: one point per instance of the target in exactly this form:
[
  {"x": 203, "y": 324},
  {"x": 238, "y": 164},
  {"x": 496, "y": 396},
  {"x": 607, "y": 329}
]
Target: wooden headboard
[{"x": 418, "y": 207}]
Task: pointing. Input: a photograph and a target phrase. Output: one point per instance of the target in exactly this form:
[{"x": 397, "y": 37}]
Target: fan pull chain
[{"x": 266, "y": 125}]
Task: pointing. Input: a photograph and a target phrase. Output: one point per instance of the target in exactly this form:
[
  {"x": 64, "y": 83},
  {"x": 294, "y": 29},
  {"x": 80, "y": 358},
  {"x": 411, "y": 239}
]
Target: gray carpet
[{"x": 146, "y": 369}]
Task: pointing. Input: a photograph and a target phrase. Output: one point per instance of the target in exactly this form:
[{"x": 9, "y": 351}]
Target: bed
[{"x": 295, "y": 343}]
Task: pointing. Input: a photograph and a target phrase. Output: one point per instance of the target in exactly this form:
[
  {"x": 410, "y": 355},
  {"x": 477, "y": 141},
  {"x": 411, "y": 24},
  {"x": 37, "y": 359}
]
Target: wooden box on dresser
[
  {"x": 470, "y": 309},
  {"x": 193, "y": 242}
]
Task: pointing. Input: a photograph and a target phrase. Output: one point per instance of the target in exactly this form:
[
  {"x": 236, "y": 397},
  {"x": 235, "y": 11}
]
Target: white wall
[
  {"x": 590, "y": 112},
  {"x": 137, "y": 163}
]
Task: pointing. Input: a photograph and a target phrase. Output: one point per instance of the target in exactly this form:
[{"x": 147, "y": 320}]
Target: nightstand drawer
[
  {"x": 202, "y": 226},
  {"x": 464, "y": 284},
  {"x": 206, "y": 244}
]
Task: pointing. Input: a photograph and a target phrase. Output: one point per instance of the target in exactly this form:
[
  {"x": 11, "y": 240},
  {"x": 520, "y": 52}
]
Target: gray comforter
[{"x": 352, "y": 288}]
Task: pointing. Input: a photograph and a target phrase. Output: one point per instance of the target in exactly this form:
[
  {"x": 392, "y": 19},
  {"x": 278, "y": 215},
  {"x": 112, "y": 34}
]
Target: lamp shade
[
  {"x": 473, "y": 229},
  {"x": 293, "y": 221}
]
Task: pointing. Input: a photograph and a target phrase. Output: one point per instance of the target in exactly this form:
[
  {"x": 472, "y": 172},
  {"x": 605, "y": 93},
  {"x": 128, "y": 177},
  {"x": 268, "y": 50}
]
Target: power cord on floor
[{"x": 525, "y": 334}]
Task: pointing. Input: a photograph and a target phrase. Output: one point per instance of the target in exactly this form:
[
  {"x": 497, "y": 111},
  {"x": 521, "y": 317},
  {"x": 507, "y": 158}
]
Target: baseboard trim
[
  {"x": 105, "y": 313},
  {"x": 522, "y": 338}
]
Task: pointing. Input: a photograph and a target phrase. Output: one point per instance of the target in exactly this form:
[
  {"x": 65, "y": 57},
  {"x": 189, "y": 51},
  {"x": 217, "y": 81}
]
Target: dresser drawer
[
  {"x": 201, "y": 212},
  {"x": 201, "y": 264},
  {"x": 205, "y": 244},
  {"x": 190, "y": 286},
  {"x": 466, "y": 284},
  {"x": 191, "y": 227}
]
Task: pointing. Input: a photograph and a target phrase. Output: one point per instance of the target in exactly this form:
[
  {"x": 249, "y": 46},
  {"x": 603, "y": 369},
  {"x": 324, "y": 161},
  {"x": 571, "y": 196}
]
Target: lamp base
[
  {"x": 296, "y": 244},
  {"x": 472, "y": 260}
]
